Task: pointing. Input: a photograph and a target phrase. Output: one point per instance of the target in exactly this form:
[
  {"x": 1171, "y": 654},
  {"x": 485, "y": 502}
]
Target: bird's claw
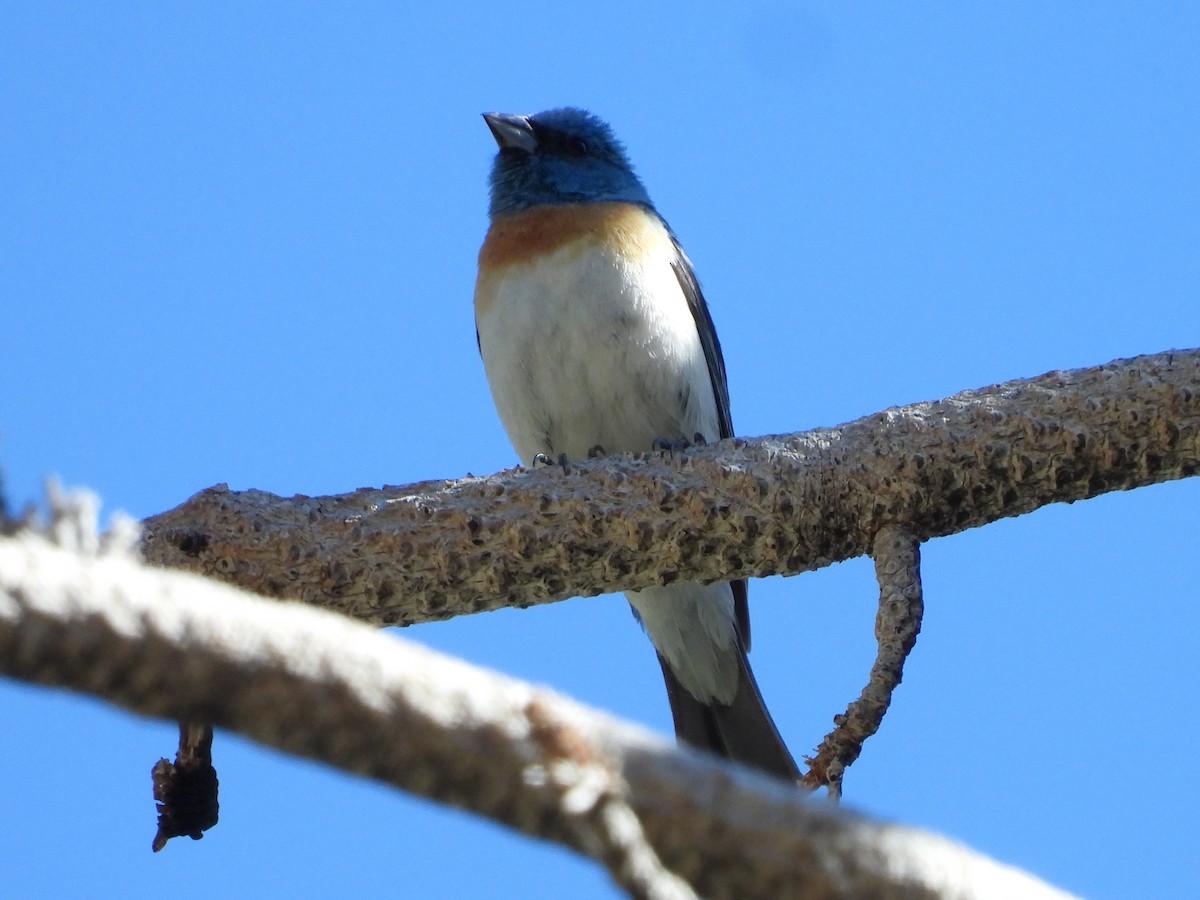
[
  {"x": 542, "y": 459},
  {"x": 669, "y": 446}
]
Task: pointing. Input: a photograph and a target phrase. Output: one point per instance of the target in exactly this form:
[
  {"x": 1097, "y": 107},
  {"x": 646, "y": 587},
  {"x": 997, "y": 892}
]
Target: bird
[{"x": 595, "y": 336}]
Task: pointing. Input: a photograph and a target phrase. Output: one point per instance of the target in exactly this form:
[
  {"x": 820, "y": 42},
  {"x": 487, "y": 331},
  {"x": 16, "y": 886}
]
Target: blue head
[{"x": 559, "y": 156}]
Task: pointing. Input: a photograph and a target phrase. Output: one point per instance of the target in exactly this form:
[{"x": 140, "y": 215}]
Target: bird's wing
[
  {"x": 716, "y": 373},
  {"x": 708, "y": 337}
]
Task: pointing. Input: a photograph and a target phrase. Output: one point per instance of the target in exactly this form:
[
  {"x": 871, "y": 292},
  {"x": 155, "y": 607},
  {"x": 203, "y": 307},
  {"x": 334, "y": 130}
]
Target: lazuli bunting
[{"x": 594, "y": 334}]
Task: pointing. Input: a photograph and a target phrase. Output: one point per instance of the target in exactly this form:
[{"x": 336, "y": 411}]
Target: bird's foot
[
  {"x": 541, "y": 459},
  {"x": 668, "y": 446}
]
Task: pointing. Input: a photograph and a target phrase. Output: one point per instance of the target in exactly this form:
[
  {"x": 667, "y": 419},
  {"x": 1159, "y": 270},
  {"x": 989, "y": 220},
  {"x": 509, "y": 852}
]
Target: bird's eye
[{"x": 577, "y": 147}]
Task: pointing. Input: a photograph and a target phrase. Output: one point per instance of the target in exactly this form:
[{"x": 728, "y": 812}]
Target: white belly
[{"x": 578, "y": 355}]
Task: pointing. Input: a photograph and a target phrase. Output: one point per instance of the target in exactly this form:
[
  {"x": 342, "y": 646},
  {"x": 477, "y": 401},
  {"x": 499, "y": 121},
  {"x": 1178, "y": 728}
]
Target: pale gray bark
[{"x": 663, "y": 820}]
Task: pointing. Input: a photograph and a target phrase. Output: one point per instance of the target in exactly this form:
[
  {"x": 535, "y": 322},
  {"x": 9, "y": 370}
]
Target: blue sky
[{"x": 237, "y": 244}]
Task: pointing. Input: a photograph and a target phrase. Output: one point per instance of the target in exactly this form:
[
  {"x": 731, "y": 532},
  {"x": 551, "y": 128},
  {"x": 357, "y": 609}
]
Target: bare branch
[
  {"x": 739, "y": 508},
  {"x": 901, "y": 605},
  {"x": 321, "y": 686}
]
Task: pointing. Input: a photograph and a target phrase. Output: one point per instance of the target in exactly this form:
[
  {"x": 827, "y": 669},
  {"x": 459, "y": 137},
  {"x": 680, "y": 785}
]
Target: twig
[{"x": 901, "y": 605}]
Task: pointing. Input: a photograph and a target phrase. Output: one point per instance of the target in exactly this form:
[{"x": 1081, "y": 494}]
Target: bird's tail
[{"x": 742, "y": 731}]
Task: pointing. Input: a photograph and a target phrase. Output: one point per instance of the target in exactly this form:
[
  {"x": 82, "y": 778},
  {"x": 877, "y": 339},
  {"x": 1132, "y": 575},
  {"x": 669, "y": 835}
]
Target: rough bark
[
  {"x": 774, "y": 505},
  {"x": 901, "y": 606}
]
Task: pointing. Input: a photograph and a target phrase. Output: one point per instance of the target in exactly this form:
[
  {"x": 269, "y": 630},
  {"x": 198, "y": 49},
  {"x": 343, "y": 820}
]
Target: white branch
[{"x": 318, "y": 685}]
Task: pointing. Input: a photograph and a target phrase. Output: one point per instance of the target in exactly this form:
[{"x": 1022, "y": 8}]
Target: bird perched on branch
[{"x": 594, "y": 334}]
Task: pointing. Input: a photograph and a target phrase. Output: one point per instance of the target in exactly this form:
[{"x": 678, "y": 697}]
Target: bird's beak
[{"x": 511, "y": 131}]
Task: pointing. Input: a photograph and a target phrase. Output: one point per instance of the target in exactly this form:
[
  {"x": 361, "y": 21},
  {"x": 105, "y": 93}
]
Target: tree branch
[
  {"x": 901, "y": 606},
  {"x": 297, "y": 680},
  {"x": 321, "y": 686},
  {"x": 775, "y": 505}
]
